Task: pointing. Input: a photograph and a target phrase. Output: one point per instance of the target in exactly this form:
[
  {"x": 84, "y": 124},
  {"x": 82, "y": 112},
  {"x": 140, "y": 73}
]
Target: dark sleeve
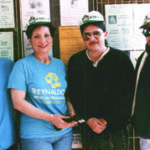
[
  {"x": 75, "y": 85},
  {"x": 72, "y": 80},
  {"x": 122, "y": 93}
]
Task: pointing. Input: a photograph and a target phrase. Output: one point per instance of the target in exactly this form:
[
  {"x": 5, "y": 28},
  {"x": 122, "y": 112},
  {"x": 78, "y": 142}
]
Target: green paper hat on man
[
  {"x": 90, "y": 17},
  {"x": 35, "y": 22},
  {"x": 146, "y": 22}
]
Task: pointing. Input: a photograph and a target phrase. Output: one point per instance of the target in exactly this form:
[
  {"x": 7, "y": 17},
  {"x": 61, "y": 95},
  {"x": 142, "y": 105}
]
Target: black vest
[{"x": 141, "y": 116}]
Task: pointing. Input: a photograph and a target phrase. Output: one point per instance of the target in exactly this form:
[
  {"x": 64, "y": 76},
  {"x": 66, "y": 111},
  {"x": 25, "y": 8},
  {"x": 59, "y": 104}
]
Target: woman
[{"x": 38, "y": 84}]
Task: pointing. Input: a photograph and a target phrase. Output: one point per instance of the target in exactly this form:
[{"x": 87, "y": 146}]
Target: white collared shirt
[{"x": 95, "y": 64}]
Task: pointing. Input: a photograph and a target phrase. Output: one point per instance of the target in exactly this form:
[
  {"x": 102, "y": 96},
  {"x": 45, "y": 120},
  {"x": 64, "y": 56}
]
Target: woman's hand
[
  {"x": 27, "y": 108},
  {"x": 57, "y": 120},
  {"x": 97, "y": 125}
]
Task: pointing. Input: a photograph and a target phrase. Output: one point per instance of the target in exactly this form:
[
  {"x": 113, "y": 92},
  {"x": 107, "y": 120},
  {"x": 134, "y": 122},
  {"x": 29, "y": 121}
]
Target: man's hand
[{"x": 97, "y": 125}]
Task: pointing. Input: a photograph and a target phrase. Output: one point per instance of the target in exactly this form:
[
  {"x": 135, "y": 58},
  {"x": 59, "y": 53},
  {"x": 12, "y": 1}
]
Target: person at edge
[
  {"x": 38, "y": 83},
  {"x": 141, "y": 105},
  {"x": 101, "y": 88},
  {"x": 8, "y": 137}
]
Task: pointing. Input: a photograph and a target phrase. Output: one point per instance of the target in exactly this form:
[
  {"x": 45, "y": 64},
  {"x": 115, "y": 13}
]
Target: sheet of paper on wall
[
  {"x": 6, "y": 14},
  {"x": 140, "y": 11},
  {"x": 71, "y": 11},
  {"x": 6, "y": 45},
  {"x": 123, "y": 22},
  {"x": 119, "y": 24},
  {"x": 36, "y": 8},
  {"x": 134, "y": 56},
  {"x": 28, "y": 48}
]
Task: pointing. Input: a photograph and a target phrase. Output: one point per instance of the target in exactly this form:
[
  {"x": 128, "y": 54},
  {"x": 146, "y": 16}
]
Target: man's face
[
  {"x": 94, "y": 38},
  {"x": 148, "y": 40},
  {"x": 146, "y": 33}
]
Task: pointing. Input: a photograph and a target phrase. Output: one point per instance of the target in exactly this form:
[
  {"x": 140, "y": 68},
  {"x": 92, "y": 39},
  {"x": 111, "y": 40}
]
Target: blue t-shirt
[
  {"x": 7, "y": 128},
  {"x": 44, "y": 85}
]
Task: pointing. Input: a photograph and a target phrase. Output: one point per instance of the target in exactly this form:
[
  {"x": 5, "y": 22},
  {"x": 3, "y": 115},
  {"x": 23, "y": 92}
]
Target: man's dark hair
[{"x": 100, "y": 24}]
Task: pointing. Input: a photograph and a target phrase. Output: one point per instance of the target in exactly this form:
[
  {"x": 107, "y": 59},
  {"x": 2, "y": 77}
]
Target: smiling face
[
  {"x": 41, "y": 40},
  {"x": 94, "y": 38}
]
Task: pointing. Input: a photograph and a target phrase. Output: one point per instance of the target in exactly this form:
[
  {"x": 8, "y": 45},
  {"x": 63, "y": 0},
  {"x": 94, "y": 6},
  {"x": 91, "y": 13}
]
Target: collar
[{"x": 96, "y": 63}]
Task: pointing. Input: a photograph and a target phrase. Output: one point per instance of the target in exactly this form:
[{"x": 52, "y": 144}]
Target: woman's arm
[
  {"x": 25, "y": 107},
  {"x": 70, "y": 108}
]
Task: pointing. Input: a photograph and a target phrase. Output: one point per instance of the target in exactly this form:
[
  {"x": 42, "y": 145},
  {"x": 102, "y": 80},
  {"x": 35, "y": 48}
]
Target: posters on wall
[
  {"x": 27, "y": 47},
  {"x": 123, "y": 22},
  {"x": 140, "y": 10},
  {"x": 6, "y": 14},
  {"x": 36, "y": 8},
  {"x": 6, "y": 45},
  {"x": 134, "y": 56},
  {"x": 119, "y": 25},
  {"x": 71, "y": 11}
]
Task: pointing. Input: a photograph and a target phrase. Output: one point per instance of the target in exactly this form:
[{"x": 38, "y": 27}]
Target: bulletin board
[{"x": 71, "y": 42}]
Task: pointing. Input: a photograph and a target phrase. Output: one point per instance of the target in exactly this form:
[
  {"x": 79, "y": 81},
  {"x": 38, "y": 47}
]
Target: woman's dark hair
[{"x": 32, "y": 27}]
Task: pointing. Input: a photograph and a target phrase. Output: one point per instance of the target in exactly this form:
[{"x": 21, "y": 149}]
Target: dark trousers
[{"x": 106, "y": 140}]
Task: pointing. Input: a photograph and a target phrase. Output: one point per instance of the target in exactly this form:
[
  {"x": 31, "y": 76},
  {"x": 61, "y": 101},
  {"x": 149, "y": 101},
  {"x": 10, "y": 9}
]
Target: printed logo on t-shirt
[
  {"x": 51, "y": 94},
  {"x": 52, "y": 79}
]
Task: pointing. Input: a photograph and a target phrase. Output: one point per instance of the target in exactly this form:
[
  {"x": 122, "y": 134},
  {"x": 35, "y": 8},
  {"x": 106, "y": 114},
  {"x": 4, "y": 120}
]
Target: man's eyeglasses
[
  {"x": 87, "y": 35},
  {"x": 146, "y": 32}
]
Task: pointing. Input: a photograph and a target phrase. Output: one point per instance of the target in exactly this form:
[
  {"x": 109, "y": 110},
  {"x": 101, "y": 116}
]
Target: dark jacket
[
  {"x": 141, "y": 117},
  {"x": 105, "y": 91}
]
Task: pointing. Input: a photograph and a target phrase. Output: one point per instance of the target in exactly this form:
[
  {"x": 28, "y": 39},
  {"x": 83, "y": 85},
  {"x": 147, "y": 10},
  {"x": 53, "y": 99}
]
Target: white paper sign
[
  {"x": 140, "y": 10},
  {"x": 123, "y": 23},
  {"x": 71, "y": 11},
  {"x": 36, "y": 8},
  {"x": 119, "y": 24},
  {"x": 6, "y": 45},
  {"x": 134, "y": 56},
  {"x": 27, "y": 46},
  {"x": 6, "y": 14}
]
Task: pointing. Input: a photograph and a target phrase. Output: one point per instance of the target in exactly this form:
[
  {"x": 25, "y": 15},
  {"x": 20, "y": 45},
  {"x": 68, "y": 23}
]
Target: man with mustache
[
  {"x": 101, "y": 87},
  {"x": 141, "y": 105}
]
